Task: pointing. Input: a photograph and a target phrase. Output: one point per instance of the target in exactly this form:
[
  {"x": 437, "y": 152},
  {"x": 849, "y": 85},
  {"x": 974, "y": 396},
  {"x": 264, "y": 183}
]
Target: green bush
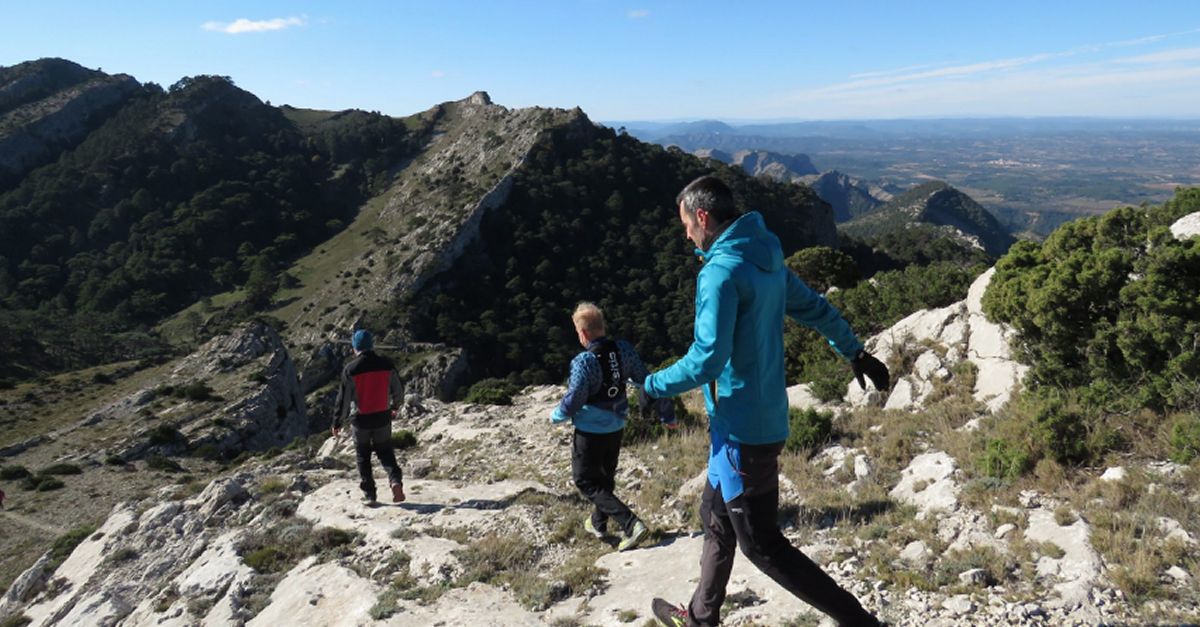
[
  {"x": 47, "y": 484},
  {"x": 9, "y": 473},
  {"x": 1003, "y": 460},
  {"x": 62, "y": 469},
  {"x": 821, "y": 268},
  {"x": 114, "y": 460},
  {"x": 808, "y": 429},
  {"x": 282, "y": 545},
  {"x": 198, "y": 391},
  {"x": 1107, "y": 305},
  {"x": 41, "y": 483},
  {"x": 165, "y": 435},
  {"x": 208, "y": 451},
  {"x": 66, "y": 543},
  {"x": 403, "y": 439},
  {"x": 164, "y": 463},
  {"x": 267, "y": 560},
  {"x": 16, "y": 620},
  {"x": 492, "y": 392},
  {"x": 1185, "y": 438},
  {"x": 1062, "y": 430}
]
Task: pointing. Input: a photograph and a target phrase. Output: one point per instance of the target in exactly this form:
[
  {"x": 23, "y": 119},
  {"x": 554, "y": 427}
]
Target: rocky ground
[
  {"x": 492, "y": 531},
  {"x": 893, "y": 508}
]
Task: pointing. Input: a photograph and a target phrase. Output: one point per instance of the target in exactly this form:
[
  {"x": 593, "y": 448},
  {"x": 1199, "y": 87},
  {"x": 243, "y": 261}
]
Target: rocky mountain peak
[
  {"x": 944, "y": 207},
  {"x": 478, "y": 98}
]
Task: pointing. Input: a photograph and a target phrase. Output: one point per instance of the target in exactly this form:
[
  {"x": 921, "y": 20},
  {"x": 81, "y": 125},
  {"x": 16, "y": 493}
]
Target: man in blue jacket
[
  {"x": 743, "y": 293},
  {"x": 597, "y": 405}
]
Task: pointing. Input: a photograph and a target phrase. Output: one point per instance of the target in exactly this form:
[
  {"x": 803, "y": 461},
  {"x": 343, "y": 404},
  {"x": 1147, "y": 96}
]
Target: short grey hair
[{"x": 711, "y": 194}]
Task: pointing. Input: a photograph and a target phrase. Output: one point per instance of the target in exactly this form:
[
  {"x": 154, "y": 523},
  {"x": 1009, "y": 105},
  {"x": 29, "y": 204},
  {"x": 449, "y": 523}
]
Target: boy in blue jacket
[{"x": 597, "y": 405}]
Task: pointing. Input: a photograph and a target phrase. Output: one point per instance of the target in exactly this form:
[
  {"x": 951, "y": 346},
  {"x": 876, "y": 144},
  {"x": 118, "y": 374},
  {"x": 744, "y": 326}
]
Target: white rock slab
[
  {"x": 1079, "y": 568},
  {"x": 901, "y": 397},
  {"x": 975, "y": 292},
  {"x": 1186, "y": 227},
  {"x": 671, "y": 571},
  {"x": 801, "y": 396},
  {"x": 80, "y": 567},
  {"x": 477, "y": 604},
  {"x": 927, "y": 364},
  {"x": 337, "y": 504},
  {"x": 319, "y": 594},
  {"x": 996, "y": 380},
  {"x": 933, "y": 472}
]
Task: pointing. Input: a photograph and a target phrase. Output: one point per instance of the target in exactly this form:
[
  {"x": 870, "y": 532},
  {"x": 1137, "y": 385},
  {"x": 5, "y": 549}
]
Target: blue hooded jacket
[{"x": 742, "y": 294}]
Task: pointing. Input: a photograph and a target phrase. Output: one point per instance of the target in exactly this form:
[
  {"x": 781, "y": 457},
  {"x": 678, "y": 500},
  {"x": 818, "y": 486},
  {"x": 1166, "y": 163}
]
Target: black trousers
[
  {"x": 594, "y": 469},
  {"x": 379, "y": 441},
  {"x": 750, "y": 521}
]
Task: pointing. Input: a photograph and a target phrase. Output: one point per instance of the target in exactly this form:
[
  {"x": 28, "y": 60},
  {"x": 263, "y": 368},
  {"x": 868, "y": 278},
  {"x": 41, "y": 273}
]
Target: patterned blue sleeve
[
  {"x": 635, "y": 370},
  {"x": 584, "y": 380}
]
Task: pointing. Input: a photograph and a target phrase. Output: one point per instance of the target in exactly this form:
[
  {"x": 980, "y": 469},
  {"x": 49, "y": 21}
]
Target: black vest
[{"x": 612, "y": 382}]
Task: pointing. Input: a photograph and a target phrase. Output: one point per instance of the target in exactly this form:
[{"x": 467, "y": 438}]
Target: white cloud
[
  {"x": 243, "y": 25},
  {"x": 1167, "y": 56},
  {"x": 437, "y": 74},
  {"x": 637, "y": 14},
  {"x": 1038, "y": 84}
]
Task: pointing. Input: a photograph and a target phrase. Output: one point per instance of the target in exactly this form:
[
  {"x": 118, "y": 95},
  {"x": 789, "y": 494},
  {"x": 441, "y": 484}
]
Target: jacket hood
[{"x": 748, "y": 238}]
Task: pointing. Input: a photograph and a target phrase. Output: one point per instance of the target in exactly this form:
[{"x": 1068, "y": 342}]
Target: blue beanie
[{"x": 362, "y": 340}]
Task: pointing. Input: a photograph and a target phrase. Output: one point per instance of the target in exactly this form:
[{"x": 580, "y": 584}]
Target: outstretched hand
[{"x": 865, "y": 364}]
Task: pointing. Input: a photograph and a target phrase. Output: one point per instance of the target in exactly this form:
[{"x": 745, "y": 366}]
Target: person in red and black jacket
[{"x": 368, "y": 382}]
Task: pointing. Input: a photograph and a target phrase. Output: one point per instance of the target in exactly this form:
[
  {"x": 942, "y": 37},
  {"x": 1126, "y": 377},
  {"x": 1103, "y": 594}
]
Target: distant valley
[{"x": 1032, "y": 174}]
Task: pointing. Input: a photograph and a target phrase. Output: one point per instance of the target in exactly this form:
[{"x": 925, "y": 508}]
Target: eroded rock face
[
  {"x": 251, "y": 377},
  {"x": 961, "y": 332},
  {"x": 61, "y": 117}
]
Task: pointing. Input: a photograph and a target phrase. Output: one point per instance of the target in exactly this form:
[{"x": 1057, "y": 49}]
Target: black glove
[
  {"x": 864, "y": 363},
  {"x": 666, "y": 411}
]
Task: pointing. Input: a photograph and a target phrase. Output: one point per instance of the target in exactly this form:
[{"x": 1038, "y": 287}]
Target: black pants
[
  {"x": 379, "y": 441},
  {"x": 594, "y": 469},
  {"x": 750, "y": 521}
]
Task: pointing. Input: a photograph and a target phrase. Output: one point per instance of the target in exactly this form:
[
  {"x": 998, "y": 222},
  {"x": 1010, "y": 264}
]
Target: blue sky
[{"x": 635, "y": 60}]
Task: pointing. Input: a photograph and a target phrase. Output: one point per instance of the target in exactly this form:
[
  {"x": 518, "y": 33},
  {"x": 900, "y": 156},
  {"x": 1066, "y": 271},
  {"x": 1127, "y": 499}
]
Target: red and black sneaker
[
  {"x": 669, "y": 615},
  {"x": 397, "y": 492}
]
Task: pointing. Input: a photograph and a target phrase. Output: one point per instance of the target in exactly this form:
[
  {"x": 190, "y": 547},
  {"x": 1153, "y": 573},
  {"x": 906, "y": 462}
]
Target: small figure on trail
[
  {"x": 597, "y": 404},
  {"x": 370, "y": 395}
]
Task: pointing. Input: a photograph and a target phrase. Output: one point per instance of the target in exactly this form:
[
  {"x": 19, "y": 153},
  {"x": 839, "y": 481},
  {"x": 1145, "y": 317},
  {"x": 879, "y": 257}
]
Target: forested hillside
[
  {"x": 181, "y": 194},
  {"x": 591, "y": 219}
]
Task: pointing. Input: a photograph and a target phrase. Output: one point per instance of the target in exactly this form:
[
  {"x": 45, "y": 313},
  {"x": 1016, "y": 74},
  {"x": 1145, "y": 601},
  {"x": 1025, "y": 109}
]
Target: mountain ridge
[{"x": 940, "y": 205}]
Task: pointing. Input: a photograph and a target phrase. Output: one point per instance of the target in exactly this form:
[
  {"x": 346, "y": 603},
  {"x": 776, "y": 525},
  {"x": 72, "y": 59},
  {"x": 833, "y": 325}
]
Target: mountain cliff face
[
  {"x": 51, "y": 105},
  {"x": 849, "y": 197},
  {"x": 763, "y": 163},
  {"x": 941, "y": 206}
]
